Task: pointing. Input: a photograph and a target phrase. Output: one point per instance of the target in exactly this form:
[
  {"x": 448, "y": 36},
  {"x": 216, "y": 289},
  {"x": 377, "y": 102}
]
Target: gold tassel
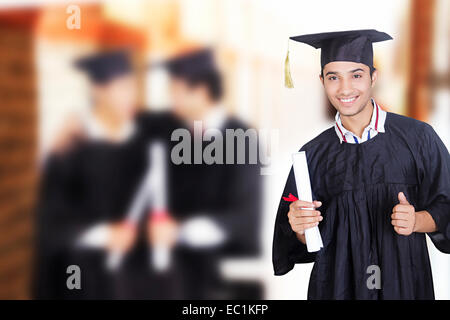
[{"x": 288, "y": 83}]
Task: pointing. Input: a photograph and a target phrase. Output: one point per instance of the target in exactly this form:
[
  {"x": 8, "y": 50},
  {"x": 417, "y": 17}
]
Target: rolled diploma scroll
[
  {"x": 161, "y": 254},
  {"x": 312, "y": 235},
  {"x": 136, "y": 210}
]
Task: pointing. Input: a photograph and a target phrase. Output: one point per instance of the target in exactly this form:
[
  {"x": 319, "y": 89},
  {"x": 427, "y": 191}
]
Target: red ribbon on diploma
[
  {"x": 158, "y": 215},
  {"x": 290, "y": 198}
]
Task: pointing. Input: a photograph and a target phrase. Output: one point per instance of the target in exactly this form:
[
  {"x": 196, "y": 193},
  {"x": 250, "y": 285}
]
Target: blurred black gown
[
  {"x": 92, "y": 183},
  {"x": 95, "y": 182},
  {"x": 228, "y": 194},
  {"x": 358, "y": 185}
]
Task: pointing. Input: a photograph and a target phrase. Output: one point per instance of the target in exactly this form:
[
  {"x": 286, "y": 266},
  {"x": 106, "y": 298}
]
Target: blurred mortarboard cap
[
  {"x": 190, "y": 64},
  {"x": 352, "y": 45},
  {"x": 103, "y": 67}
]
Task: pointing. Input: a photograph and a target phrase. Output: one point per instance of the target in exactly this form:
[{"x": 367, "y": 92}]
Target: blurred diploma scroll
[
  {"x": 312, "y": 235},
  {"x": 161, "y": 252},
  {"x": 151, "y": 190}
]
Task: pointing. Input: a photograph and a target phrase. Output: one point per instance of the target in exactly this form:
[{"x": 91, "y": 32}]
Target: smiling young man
[{"x": 383, "y": 181}]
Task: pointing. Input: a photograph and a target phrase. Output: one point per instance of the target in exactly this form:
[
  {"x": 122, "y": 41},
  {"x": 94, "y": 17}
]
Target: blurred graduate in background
[
  {"x": 87, "y": 185},
  {"x": 217, "y": 205}
]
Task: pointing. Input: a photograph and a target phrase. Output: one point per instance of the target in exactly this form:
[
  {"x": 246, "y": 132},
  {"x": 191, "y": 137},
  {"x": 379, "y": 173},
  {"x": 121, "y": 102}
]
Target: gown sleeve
[
  {"x": 287, "y": 250},
  {"x": 240, "y": 218},
  {"x": 434, "y": 189},
  {"x": 239, "y": 214},
  {"x": 57, "y": 225}
]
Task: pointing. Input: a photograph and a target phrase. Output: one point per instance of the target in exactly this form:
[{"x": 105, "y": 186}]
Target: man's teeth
[{"x": 348, "y": 100}]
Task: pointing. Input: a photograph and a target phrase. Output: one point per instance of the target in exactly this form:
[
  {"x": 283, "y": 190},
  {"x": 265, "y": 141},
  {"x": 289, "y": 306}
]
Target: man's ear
[
  {"x": 374, "y": 77},
  {"x": 321, "y": 78}
]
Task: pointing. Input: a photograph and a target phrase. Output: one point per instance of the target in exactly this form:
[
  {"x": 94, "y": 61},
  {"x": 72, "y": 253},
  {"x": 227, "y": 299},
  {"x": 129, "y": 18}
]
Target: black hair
[
  {"x": 212, "y": 79},
  {"x": 372, "y": 69}
]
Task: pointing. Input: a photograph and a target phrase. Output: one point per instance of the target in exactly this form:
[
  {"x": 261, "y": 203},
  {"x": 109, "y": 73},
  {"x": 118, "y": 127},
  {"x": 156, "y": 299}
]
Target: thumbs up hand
[{"x": 403, "y": 216}]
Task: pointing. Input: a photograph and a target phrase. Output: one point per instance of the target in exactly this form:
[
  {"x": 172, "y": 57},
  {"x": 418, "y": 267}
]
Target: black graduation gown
[
  {"x": 358, "y": 185},
  {"x": 92, "y": 183},
  {"x": 229, "y": 194}
]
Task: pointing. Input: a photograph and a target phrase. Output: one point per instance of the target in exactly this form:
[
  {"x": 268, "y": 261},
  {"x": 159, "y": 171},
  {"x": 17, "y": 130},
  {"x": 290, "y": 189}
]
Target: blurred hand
[
  {"x": 301, "y": 219},
  {"x": 122, "y": 236},
  {"x": 162, "y": 232}
]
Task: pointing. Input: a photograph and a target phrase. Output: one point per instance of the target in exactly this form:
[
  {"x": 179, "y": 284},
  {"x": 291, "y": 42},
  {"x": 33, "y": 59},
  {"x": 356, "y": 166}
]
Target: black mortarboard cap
[
  {"x": 192, "y": 64},
  {"x": 105, "y": 66},
  {"x": 352, "y": 45}
]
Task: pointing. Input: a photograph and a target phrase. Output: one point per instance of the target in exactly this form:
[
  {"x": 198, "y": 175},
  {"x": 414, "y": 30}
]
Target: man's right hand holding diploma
[{"x": 301, "y": 218}]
